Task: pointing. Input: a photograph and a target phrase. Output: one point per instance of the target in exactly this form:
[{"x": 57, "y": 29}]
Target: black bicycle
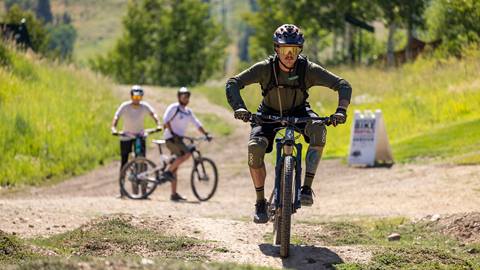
[
  {"x": 143, "y": 172},
  {"x": 282, "y": 204}
]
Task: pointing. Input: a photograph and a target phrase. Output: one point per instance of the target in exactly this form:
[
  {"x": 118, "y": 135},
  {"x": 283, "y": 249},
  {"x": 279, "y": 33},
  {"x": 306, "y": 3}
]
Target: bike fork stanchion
[
  {"x": 298, "y": 177},
  {"x": 278, "y": 173}
]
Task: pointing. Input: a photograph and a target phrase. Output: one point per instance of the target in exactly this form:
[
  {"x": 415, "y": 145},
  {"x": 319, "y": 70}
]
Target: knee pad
[
  {"x": 256, "y": 151},
  {"x": 317, "y": 134}
]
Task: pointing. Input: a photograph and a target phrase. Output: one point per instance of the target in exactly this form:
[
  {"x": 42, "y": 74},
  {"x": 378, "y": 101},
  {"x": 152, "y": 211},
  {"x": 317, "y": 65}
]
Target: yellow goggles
[
  {"x": 137, "y": 97},
  {"x": 285, "y": 50}
]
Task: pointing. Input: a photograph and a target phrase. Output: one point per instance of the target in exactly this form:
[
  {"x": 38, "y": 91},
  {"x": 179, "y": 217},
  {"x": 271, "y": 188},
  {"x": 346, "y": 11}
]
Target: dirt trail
[{"x": 341, "y": 192}]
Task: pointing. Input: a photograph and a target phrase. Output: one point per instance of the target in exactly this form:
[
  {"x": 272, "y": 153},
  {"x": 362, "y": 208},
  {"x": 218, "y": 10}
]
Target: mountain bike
[
  {"x": 138, "y": 151},
  {"x": 144, "y": 172},
  {"x": 288, "y": 172}
]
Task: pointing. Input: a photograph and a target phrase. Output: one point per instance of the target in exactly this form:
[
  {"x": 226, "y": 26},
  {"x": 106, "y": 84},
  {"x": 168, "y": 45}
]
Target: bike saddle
[{"x": 159, "y": 142}]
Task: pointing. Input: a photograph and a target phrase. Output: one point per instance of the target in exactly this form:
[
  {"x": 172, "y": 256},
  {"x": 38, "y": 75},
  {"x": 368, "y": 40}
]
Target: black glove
[
  {"x": 208, "y": 137},
  {"x": 242, "y": 114},
  {"x": 339, "y": 117}
]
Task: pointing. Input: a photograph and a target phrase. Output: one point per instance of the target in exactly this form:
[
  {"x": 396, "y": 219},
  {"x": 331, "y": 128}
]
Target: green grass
[
  {"x": 215, "y": 125},
  {"x": 13, "y": 250},
  {"x": 429, "y": 106},
  {"x": 420, "y": 246},
  {"x": 54, "y": 120},
  {"x": 462, "y": 138},
  {"x": 129, "y": 263},
  {"x": 113, "y": 241}
]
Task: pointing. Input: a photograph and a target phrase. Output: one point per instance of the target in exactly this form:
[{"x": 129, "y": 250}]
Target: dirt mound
[
  {"x": 126, "y": 234},
  {"x": 465, "y": 227}
]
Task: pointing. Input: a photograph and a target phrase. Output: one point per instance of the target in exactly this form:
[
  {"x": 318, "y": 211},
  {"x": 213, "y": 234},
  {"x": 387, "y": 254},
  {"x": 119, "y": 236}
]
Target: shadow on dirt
[{"x": 304, "y": 257}]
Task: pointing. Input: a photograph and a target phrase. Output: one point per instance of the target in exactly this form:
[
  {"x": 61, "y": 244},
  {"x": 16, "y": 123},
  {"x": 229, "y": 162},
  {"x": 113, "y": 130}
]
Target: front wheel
[
  {"x": 138, "y": 178},
  {"x": 286, "y": 208},
  {"x": 204, "y": 179}
]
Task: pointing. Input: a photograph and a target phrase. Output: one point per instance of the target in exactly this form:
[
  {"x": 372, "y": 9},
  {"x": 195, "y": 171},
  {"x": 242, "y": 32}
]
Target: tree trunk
[
  {"x": 408, "y": 51},
  {"x": 351, "y": 44},
  {"x": 334, "y": 45},
  {"x": 391, "y": 44},
  {"x": 344, "y": 43}
]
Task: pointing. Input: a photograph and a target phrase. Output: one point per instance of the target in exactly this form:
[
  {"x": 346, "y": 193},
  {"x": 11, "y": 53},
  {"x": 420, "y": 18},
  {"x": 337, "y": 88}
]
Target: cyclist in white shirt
[
  {"x": 176, "y": 119},
  {"x": 133, "y": 113}
]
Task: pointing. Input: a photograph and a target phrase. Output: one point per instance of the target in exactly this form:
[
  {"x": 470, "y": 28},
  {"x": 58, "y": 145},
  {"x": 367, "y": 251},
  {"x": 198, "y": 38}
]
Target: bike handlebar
[
  {"x": 201, "y": 138},
  {"x": 290, "y": 120},
  {"x": 143, "y": 133}
]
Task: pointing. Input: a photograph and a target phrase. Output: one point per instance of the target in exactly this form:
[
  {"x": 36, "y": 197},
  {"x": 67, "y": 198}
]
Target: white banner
[{"x": 369, "y": 142}]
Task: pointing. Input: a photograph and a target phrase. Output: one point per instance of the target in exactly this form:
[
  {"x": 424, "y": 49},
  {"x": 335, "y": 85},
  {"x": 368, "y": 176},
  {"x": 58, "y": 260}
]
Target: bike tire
[
  {"x": 123, "y": 181},
  {"x": 286, "y": 211},
  {"x": 194, "y": 178},
  {"x": 276, "y": 220}
]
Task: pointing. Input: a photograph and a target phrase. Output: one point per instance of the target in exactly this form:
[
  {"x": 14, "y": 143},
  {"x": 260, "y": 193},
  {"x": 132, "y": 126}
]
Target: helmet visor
[{"x": 285, "y": 50}]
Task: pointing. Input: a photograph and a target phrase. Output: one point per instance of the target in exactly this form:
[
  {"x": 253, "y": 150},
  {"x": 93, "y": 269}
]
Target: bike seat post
[{"x": 160, "y": 149}]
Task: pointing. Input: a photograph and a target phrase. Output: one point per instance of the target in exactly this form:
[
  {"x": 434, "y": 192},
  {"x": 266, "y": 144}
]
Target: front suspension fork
[{"x": 278, "y": 173}]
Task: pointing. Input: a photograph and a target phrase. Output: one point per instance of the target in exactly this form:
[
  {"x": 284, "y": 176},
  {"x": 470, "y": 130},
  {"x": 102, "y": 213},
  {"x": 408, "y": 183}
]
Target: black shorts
[
  {"x": 269, "y": 131},
  {"x": 128, "y": 146}
]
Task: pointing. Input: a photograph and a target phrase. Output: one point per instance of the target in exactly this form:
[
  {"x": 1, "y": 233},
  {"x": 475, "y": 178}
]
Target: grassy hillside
[
  {"x": 98, "y": 24},
  {"x": 430, "y": 107},
  {"x": 54, "y": 120}
]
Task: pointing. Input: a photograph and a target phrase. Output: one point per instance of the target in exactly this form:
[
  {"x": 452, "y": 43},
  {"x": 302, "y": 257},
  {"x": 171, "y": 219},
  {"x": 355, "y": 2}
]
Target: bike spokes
[
  {"x": 204, "y": 179},
  {"x": 138, "y": 178}
]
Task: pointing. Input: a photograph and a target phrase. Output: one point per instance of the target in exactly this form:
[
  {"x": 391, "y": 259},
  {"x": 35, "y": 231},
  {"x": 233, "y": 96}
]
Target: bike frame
[
  {"x": 138, "y": 149},
  {"x": 284, "y": 147},
  {"x": 196, "y": 157}
]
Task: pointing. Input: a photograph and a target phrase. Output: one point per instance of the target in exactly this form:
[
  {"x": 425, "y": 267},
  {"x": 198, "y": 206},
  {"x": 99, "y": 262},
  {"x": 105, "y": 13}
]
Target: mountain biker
[
  {"x": 133, "y": 113},
  {"x": 176, "y": 119},
  {"x": 285, "y": 78}
]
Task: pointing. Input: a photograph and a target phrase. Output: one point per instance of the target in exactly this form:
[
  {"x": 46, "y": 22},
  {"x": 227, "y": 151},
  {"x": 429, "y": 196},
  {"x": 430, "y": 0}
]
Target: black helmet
[
  {"x": 288, "y": 34},
  {"x": 136, "y": 90},
  {"x": 183, "y": 90}
]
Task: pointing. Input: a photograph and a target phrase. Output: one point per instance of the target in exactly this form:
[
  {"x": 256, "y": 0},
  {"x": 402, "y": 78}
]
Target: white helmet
[
  {"x": 136, "y": 90},
  {"x": 183, "y": 90}
]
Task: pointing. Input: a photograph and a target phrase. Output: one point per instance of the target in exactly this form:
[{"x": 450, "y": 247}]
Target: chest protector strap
[{"x": 300, "y": 70}]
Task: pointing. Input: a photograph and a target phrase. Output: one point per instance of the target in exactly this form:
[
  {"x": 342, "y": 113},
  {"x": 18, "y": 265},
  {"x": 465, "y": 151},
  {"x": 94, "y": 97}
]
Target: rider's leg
[
  {"x": 256, "y": 153},
  {"x": 314, "y": 154},
  {"x": 125, "y": 149},
  {"x": 258, "y": 176},
  {"x": 317, "y": 134},
  {"x": 173, "y": 168},
  {"x": 257, "y": 147}
]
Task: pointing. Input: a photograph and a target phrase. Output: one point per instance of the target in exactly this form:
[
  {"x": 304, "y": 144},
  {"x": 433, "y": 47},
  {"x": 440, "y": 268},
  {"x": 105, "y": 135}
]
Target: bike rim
[
  {"x": 135, "y": 183},
  {"x": 204, "y": 179}
]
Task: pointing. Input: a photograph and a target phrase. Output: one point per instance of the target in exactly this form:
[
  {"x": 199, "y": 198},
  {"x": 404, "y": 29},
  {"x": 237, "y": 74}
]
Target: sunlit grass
[{"x": 54, "y": 121}]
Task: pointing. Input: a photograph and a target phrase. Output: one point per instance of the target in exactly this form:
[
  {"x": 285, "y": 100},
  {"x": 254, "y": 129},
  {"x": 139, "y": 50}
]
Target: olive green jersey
[{"x": 286, "y": 93}]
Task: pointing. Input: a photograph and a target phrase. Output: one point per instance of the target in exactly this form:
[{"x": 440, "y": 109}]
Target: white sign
[{"x": 369, "y": 142}]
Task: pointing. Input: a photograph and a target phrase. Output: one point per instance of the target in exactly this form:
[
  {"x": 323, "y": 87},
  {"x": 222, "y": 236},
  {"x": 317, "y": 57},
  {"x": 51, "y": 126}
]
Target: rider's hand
[
  {"x": 208, "y": 137},
  {"x": 159, "y": 128},
  {"x": 114, "y": 131},
  {"x": 339, "y": 117},
  {"x": 242, "y": 114}
]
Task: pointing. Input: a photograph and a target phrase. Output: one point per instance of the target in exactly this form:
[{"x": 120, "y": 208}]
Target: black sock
[
  {"x": 260, "y": 193},
  {"x": 308, "y": 179}
]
